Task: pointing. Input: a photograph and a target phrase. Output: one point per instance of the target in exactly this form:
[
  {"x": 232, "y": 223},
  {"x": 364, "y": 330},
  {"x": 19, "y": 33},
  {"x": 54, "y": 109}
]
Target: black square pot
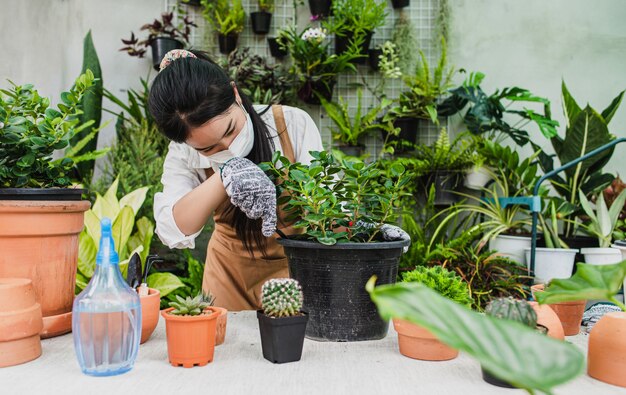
[
  {"x": 227, "y": 43},
  {"x": 275, "y": 49},
  {"x": 261, "y": 22},
  {"x": 400, "y": 3},
  {"x": 343, "y": 42},
  {"x": 373, "y": 57},
  {"x": 162, "y": 45},
  {"x": 320, "y": 8},
  {"x": 282, "y": 338}
]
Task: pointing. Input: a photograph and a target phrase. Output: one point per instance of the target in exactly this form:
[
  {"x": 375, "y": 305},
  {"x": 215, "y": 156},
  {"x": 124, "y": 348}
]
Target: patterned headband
[{"x": 173, "y": 55}]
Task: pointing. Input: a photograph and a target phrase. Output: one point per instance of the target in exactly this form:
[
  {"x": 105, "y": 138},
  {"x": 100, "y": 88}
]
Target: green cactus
[
  {"x": 281, "y": 297},
  {"x": 189, "y": 306},
  {"x": 513, "y": 309}
]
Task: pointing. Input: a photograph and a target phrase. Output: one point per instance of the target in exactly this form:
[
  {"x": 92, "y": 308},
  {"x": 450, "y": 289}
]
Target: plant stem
[{"x": 619, "y": 304}]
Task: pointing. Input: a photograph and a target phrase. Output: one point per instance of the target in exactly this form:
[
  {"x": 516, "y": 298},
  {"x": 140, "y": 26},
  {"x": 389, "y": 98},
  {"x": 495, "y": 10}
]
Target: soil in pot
[
  {"x": 418, "y": 343},
  {"x": 333, "y": 282},
  {"x": 162, "y": 45},
  {"x": 282, "y": 338},
  {"x": 607, "y": 347},
  {"x": 20, "y": 322},
  {"x": 149, "y": 313},
  {"x": 190, "y": 339},
  {"x": 261, "y": 22}
]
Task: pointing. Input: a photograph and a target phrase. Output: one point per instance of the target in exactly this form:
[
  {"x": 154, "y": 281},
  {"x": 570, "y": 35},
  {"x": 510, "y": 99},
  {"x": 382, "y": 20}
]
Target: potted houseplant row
[
  {"x": 282, "y": 323},
  {"x": 343, "y": 219}
]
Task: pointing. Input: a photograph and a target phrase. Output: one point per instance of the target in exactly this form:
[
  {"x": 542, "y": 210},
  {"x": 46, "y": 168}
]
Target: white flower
[{"x": 314, "y": 34}]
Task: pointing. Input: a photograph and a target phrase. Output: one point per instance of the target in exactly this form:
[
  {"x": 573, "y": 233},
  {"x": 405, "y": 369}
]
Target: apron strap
[{"x": 283, "y": 135}]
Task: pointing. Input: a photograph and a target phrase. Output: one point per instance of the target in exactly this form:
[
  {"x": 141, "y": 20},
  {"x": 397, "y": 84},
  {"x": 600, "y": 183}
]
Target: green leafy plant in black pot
[
  {"x": 343, "y": 218},
  {"x": 282, "y": 322},
  {"x": 262, "y": 19},
  {"x": 163, "y": 36},
  {"x": 228, "y": 19}
]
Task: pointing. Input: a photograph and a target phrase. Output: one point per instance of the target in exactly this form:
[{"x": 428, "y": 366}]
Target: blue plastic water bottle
[{"x": 106, "y": 316}]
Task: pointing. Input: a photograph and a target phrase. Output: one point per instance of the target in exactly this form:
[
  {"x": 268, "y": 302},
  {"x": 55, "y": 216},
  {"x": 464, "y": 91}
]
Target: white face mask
[{"x": 240, "y": 146}]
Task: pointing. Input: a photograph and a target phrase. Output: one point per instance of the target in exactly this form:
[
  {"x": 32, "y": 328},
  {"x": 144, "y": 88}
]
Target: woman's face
[{"x": 218, "y": 133}]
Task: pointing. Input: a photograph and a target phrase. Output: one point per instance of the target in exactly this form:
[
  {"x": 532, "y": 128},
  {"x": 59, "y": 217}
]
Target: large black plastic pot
[
  {"x": 261, "y": 22},
  {"x": 282, "y": 338},
  {"x": 333, "y": 282},
  {"x": 227, "y": 43},
  {"x": 42, "y": 194},
  {"x": 162, "y": 45},
  {"x": 275, "y": 49},
  {"x": 307, "y": 92},
  {"x": 320, "y": 8},
  {"x": 343, "y": 42}
]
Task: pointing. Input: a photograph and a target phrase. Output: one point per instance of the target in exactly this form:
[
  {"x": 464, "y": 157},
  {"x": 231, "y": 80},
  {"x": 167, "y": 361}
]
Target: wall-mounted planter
[
  {"x": 307, "y": 92},
  {"x": 477, "y": 178},
  {"x": 282, "y": 338},
  {"x": 275, "y": 49},
  {"x": 373, "y": 56},
  {"x": 261, "y": 22},
  {"x": 227, "y": 43},
  {"x": 343, "y": 42},
  {"x": 162, "y": 45},
  {"x": 552, "y": 263},
  {"x": 320, "y": 8},
  {"x": 20, "y": 322},
  {"x": 400, "y": 3}
]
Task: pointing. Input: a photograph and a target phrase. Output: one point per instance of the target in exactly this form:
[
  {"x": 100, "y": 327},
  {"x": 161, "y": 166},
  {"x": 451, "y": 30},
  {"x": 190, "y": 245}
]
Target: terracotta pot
[
  {"x": 190, "y": 339},
  {"x": 548, "y": 318},
  {"x": 570, "y": 313},
  {"x": 607, "y": 347},
  {"x": 149, "y": 313},
  {"x": 39, "y": 240},
  {"x": 20, "y": 322},
  {"x": 418, "y": 343},
  {"x": 220, "y": 330}
]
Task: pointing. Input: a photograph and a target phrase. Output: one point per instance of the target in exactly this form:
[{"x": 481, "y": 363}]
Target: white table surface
[{"x": 372, "y": 367}]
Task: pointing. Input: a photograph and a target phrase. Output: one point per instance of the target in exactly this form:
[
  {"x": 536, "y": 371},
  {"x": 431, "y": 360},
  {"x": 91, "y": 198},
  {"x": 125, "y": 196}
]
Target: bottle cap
[{"x": 106, "y": 252}]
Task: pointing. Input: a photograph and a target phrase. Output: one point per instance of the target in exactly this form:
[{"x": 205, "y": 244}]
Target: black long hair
[{"x": 187, "y": 94}]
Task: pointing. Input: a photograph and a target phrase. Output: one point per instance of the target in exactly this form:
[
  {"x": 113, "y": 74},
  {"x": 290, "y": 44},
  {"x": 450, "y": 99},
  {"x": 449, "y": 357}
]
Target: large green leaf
[
  {"x": 92, "y": 226},
  {"x": 589, "y": 282},
  {"x": 608, "y": 112},
  {"x": 164, "y": 282},
  {"x": 122, "y": 228},
  {"x": 572, "y": 109},
  {"x": 507, "y": 349},
  {"x": 142, "y": 237},
  {"x": 135, "y": 199},
  {"x": 87, "y": 251}
]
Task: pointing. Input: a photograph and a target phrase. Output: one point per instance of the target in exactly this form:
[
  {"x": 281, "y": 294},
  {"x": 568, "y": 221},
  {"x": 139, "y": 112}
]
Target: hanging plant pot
[
  {"x": 343, "y": 42},
  {"x": 320, "y": 8},
  {"x": 400, "y": 3},
  {"x": 309, "y": 91},
  {"x": 352, "y": 150},
  {"x": 446, "y": 182},
  {"x": 511, "y": 246},
  {"x": 227, "y": 43},
  {"x": 418, "y": 343},
  {"x": 162, "y": 45},
  {"x": 261, "y": 22},
  {"x": 20, "y": 322},
  {"x": 275, "y": 49},
  {"x": 408, "y": 133},
  {"x": 477, "y": 178},
  {"x": 333, "y": 285},
  {"x": 373, "y": 56},
  {"x": 41, "y": 234},
  {"x": 607, "y": 344},
  {"x": 149, "y": 313},
  {"x": 282, "y": 338}
]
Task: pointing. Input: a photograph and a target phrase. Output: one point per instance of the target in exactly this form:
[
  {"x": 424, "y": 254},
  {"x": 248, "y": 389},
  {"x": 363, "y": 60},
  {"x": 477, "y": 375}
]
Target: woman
[{"x": 218, "y": 137}]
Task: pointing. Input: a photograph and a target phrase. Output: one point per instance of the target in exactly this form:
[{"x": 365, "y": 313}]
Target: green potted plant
[
  {"x": 605, "y": 360},
  {"x": 41, "y": 211},
  {"x": 343, "y": 220},
  {"x": 190, "y": 325},
  {"x": 282, "y": 322},
  {"x": 227, "y": 18},
  {"x": 163, "y": 36},
  {"x": 356, "y": 18},
  {"x": 510, "y": 351},
  {"x": 601, "y": 223},
  {"x": 278, "y": 44},
  {"x": 443, "y": 164},
  {"x": 315, "y": 70},
  {"x": 416, "y": 342},
  {"x": 348, "y": 131},
  {"x": 262, "y": 19}
]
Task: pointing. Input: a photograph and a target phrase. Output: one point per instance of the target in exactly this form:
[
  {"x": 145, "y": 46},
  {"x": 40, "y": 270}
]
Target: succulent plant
[
  {"x": 281, "y": 297},
  {"x": 513, "y": 309},
  {"x": 191, "y": 306}
]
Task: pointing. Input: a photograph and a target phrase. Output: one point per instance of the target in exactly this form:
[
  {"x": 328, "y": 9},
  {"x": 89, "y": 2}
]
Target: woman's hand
[{"x": 252, "y": 191}]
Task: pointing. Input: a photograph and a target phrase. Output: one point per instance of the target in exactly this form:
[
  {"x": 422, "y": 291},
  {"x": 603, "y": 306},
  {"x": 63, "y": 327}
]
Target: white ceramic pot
[
  {"x": 552, "y": 263},
  {"x": 477, "y": 178},
  {"x": 510, "y": 246},
  {"x": 622, "y": 249},
  {"x": 601, "y": 256}
]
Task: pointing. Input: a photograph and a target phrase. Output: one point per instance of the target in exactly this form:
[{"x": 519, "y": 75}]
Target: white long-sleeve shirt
[{"x": 184, "y": 170}]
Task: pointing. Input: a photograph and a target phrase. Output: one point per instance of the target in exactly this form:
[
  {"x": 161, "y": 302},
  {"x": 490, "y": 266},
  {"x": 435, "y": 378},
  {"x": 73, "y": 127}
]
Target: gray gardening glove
[
  {"x": 251, "y": 190},
  {"x": 389, "y": 232}
]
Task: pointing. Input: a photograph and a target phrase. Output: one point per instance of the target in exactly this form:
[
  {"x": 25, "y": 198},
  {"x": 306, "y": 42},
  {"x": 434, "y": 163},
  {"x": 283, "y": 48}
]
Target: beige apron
[{"x": 230, "y": 274}]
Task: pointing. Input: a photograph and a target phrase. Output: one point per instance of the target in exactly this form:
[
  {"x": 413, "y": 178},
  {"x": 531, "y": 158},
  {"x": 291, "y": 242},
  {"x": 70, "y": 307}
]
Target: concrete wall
[{"x": 531, "y": 43}]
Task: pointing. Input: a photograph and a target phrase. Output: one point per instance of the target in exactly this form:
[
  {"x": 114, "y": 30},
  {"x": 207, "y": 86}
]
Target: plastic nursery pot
[
  {"x": 20, "y": 322},
  {"x": 333, "y": 282},
  {"x": 282, "y": 338},
  {"x": 190, "y": 339},
  {"x": 320, "y": 8},
  {"x": 400, "y": 3},
  {"x": 607, "y": 347},
  {"x": 162, "y": 45},
  {"x": 373, "y": 56},
  {"x": 511, "y": 246},
  {"x": 343, "y": 42},
  {"x": 548, "y": 318},
  {"x": 227, "y": 43},
  {"x": 570, "y": 313},
  {"x": 275, "y": 48},
  {"x": 418, "y": 343},
  {"x": 149, "y": 313},
  {"x": 261, "y": 22},
  {"x": 220, "y": 329},
  {"x": 39, "y": 241},
  {"x": 446, "y": 182},
  {"x": 408, "y": 131},
  {"x": 310, "y": 89},
  {"x": 601, "y": 256},
  {"x": 551, "y": 263}
]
